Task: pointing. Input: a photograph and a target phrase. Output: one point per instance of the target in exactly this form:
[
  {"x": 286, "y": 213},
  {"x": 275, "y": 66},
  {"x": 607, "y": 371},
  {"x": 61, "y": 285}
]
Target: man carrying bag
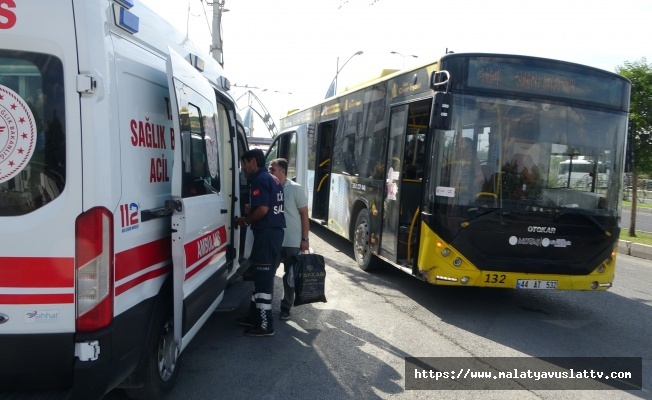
[{"x": 297, "y": 228}]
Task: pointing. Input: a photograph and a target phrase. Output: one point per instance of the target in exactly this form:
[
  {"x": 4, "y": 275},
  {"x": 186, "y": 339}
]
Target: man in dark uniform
[{"x": 267, "y": 222}]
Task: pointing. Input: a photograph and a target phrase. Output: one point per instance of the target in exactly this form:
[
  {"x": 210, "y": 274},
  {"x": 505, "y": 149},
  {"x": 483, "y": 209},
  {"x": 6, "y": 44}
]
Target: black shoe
[
  {"x": 285, "y": 314},
  {"x": 259, "y": 332},
  {"x": 245, "y": 321}
]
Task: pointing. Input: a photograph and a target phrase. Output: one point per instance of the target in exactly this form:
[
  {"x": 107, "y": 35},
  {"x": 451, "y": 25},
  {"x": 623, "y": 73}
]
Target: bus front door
[
  {"x": 389, "y": 244},
  {"x": 325, "y": 136},
  {"x": 404, "y": 182}
]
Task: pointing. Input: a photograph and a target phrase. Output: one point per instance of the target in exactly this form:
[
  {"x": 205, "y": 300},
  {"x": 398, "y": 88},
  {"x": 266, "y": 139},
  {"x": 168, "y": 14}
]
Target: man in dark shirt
[{"x": 267, "y": 222}]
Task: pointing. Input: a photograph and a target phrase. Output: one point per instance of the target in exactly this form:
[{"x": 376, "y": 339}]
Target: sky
[{"x": 290, "y": 50}]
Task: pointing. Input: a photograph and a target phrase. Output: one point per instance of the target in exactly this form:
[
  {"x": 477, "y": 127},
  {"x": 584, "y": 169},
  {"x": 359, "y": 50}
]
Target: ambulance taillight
[{"x": 94, "y": 269}]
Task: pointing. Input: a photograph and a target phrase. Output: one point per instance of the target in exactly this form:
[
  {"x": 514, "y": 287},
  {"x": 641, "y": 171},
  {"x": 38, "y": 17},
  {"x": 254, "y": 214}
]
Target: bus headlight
[
  {"x": 464, "y": 280},
  {"x": 457, "y": 262},
  {"x": 445, "y": 252}
]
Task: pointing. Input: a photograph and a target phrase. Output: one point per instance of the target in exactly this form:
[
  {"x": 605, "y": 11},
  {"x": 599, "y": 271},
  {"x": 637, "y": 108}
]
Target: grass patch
[
  {"x": 639, "y": 204},
  {"x": 641, "y": 237}
]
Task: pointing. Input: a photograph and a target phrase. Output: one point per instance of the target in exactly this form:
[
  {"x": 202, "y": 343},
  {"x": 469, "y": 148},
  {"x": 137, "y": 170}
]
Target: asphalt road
[
  {"x": 643, "y": 219},
  {"x": 354, "y": 346}
]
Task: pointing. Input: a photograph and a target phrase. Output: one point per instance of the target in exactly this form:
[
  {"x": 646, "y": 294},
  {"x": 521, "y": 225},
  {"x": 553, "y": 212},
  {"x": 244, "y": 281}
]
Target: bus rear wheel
[{"x": 361, "y": 244}]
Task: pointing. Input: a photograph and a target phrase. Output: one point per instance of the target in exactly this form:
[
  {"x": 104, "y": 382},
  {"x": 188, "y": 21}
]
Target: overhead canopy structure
[{"x": 256, "y": 105}]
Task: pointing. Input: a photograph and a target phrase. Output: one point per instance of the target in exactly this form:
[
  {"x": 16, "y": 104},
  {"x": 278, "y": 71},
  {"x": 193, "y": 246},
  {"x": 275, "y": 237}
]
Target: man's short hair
[
  {"x": 256, "y": 154},
  {"x": 282, "y": 163}
]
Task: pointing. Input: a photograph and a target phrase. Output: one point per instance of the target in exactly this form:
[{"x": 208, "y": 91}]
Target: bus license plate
[{"x": 535, "y": 284}]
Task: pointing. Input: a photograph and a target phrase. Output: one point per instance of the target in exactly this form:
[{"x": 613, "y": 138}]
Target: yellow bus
[{"x": 450, "y": 171}]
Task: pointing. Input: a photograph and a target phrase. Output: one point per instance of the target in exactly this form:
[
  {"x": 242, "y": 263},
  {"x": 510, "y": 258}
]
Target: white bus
[{"x": 580, "y": 173}]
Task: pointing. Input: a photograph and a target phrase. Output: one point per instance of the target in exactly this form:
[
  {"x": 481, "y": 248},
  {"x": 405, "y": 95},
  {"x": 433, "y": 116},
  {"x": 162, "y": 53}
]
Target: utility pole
[{"x": 217, "y": 49}]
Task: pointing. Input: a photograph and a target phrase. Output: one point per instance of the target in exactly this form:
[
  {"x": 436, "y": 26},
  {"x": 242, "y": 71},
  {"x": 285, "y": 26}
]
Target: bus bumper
[{"x": 516, "y": 280}]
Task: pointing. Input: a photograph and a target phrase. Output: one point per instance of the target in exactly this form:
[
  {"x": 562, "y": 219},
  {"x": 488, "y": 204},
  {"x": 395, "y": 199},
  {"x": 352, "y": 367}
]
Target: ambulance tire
[
  {"x": 365, "y": 259},
  {"x": 159, "y": 370}
]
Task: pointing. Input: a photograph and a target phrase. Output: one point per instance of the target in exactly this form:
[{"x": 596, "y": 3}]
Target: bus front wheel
[{"x": 361, "y": 244}]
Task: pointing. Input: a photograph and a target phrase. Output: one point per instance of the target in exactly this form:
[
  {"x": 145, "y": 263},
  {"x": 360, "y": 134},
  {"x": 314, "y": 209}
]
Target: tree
[{"x": 640, "y": 74}]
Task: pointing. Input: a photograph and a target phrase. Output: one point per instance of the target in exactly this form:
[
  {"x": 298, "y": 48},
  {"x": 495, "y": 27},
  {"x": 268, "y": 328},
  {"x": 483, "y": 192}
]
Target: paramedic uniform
[{"x": 266, "y": 190}]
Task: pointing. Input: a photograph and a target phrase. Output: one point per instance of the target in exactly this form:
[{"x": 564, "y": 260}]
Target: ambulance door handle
[
  {"x": 173, "y": 205},
  {"x": 224, "y": 211}
]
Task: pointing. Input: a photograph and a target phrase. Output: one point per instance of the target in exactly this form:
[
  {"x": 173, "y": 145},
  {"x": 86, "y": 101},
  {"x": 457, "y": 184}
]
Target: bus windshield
[{"x": 511, "y": 154}]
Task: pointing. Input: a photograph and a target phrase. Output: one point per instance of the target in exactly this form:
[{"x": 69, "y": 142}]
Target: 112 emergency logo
[{"x": 17, "y": 134}]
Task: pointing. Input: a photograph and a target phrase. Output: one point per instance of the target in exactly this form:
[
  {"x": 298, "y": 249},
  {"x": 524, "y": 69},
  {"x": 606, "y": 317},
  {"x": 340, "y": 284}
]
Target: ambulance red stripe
[
  {"x": 204, "y": 263},
  {"x": 56, "y": 298},
  {"x": 208, "y": 245},
  {"x": 136, "y": 259},
  {"x": 204, "y": 245},
  {"x": 37, "y": 272},
  {"x": 142, "y": 278}
]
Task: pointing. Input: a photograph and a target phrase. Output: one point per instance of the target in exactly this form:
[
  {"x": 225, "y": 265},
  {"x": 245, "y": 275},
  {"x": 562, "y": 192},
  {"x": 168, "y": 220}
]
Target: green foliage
[{"x": 640, "y": 74}]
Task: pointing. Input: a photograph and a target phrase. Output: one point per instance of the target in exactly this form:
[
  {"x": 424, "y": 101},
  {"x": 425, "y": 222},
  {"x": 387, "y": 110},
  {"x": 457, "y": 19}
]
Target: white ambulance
[{"x": 119, "y": 182}]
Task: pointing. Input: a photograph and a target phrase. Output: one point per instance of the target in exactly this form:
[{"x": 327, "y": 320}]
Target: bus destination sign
[{"x": 517, "y": 75}]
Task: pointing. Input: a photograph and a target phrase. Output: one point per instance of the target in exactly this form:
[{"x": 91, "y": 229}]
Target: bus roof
[{"x": 430, "y": 66}]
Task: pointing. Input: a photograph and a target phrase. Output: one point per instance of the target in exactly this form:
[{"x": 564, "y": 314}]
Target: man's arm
[
  {"x": 258, "y": 213},
  {"x": 305, "y": 228}
]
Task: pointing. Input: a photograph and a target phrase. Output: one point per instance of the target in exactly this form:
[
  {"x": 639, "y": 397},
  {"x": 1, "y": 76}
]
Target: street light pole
[
  {"x": 399, "y": 54},
  {"x": 332, "y": 89}
]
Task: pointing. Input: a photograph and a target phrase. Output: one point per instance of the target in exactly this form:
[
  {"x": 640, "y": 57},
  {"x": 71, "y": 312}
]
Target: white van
[{"x": 119, "y": 182}]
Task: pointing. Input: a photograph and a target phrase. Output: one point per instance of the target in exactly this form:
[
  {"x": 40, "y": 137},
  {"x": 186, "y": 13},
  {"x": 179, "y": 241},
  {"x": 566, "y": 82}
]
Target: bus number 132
[{"x": 495, "y": 278}]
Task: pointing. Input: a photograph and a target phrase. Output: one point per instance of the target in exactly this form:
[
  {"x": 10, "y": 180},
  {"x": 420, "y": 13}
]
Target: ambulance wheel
[
  {"x": 361, "y": 243},
  {"x": 161, "y": 368}
]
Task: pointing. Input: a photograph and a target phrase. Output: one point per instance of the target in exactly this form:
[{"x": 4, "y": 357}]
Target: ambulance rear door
[{"x": 199, "y": 237}]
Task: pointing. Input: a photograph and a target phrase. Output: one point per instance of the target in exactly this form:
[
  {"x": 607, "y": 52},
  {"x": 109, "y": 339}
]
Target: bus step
[
  {"x": 405, "y": 266},
  {"x": 235, "y": 295}
]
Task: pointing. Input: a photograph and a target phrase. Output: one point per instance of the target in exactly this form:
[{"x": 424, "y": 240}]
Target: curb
[{"x": 635, "y": 249}]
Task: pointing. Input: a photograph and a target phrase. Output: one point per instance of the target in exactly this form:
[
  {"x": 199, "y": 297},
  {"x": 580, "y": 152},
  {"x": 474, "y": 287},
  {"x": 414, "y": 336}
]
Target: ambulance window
[
  {"x": 200, "y": 156},
  {"x": 212, "y": 153},
  {"x": 32, "y": 131}
]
